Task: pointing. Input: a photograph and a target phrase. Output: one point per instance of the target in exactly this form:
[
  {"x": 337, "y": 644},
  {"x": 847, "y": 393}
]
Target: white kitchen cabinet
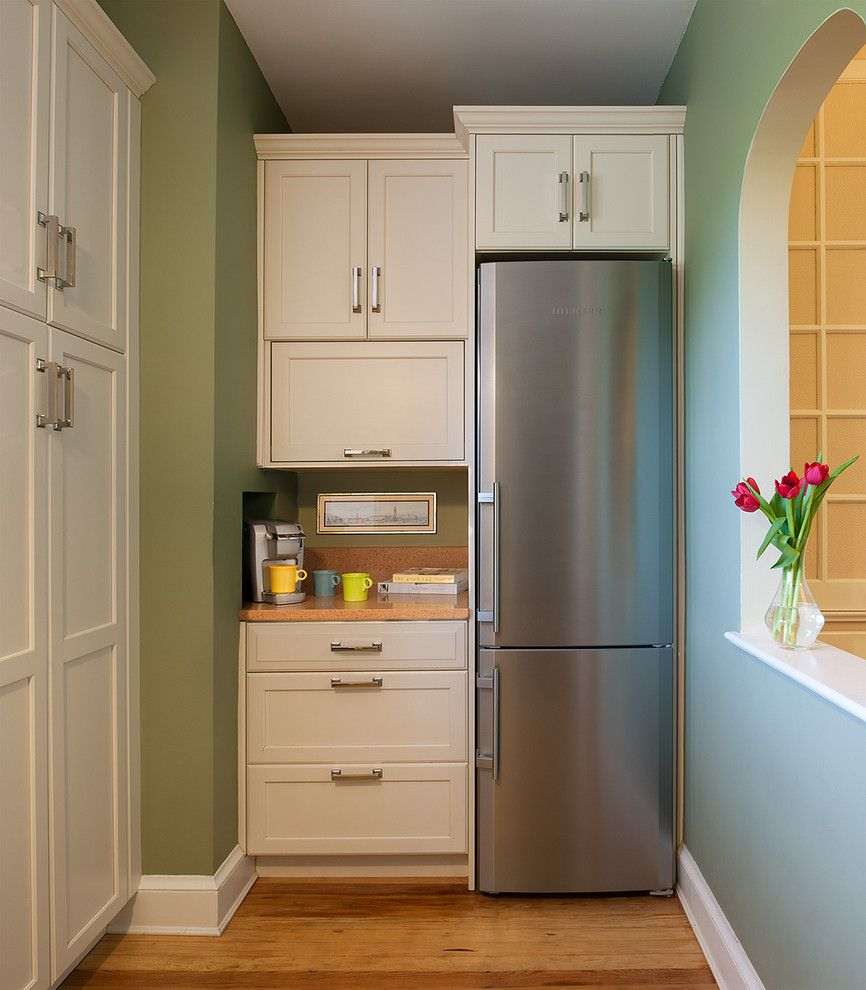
[
  {"x": 88, "y": 178},
  {"x": 366, "y": 402},
  {"x": 315, "y": 249},
  {"x": 418, "y": 249},
  {"x": 25, "y": 58},
  {"x": 621, "y": 191},
  {"x": 523, "y": 191},
  {"x": 24, "y": 905},
  {"x": 87, "y": 527}
]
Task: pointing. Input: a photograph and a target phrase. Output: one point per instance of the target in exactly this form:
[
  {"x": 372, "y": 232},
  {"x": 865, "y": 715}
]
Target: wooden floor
[{"x": 435, "y": 935}]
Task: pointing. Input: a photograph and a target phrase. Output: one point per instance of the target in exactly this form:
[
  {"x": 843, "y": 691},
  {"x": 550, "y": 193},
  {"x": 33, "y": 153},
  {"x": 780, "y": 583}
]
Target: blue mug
[{"x": 325, "y": 582}]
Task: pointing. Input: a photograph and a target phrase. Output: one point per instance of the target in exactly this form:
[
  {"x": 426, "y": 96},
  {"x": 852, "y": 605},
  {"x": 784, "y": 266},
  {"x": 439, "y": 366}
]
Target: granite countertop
[{"x": 384, "y": 608}]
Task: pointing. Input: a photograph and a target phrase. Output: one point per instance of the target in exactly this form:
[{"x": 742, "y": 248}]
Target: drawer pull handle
[
  {"x": 338, "y": 647},
  {"x": 374, "y": 774},
  {"x": 338, "y": 682},
  {"x": 373, "y": 452}
]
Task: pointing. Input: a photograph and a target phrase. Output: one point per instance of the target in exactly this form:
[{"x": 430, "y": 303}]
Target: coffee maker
[{"x": 271, "y": 541}]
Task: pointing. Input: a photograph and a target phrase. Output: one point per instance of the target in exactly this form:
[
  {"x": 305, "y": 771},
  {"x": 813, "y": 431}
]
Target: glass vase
[{"x": 793, "y": 618}]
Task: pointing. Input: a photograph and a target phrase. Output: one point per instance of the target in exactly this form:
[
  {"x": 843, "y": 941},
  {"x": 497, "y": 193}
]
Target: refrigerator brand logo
[{"x": 577, "y": 311}]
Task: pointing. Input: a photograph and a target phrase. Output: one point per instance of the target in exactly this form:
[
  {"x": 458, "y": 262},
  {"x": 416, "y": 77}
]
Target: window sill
[{"x": 835, "y": 675}]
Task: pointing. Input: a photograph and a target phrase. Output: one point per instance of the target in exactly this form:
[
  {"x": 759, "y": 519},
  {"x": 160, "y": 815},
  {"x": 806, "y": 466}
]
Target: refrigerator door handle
[
  {"x": 493, "y": 498},
  {"x": 495, "y": 724}
]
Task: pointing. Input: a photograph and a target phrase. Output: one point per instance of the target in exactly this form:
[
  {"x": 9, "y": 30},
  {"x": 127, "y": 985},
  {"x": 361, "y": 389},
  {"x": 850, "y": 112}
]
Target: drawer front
[
  {"x": 397, "y": 716},
  {"x": 408, "y": 808},
  {"x": 335, "y": 646}
]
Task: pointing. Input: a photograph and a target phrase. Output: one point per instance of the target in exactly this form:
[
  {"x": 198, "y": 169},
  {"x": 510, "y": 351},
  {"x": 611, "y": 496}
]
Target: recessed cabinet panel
[
  {"x": 88, "y": 191},
  {"x": 315, "y": 249},
  {"x": 369, "y": 402},
  {"x": 523, "y": 194},
  {"x": 25, "y": 58},
  {"x": 417, "y": 249},
  {"x": 621, "y": 191}
]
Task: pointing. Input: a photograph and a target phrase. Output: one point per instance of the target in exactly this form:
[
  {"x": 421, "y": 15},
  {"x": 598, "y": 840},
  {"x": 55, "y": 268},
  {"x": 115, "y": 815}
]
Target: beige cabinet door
[
  {"x": 350, "y": 809},
  {"x": 417, "y": 249},
  {"x": 24, "y": 913},
  {"x": 367, "y": 402},
  {"x": 88, "y": 650},
  {"x": 621, "y": 191},
  {"x": 315, "y": 249},
  {"x": 88, "y": 188},
  {"x": 523, "y": 191},
  {"x": 25, "y": 58}
]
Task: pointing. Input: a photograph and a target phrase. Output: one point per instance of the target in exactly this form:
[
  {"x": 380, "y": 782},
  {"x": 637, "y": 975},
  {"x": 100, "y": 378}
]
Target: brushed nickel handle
[
  {"x": 337, "y": 646},
  {"x": 338, "y": 682},
  {"x": 52, "y": 227},
  {"x": 583, "y": 215},
  {"x": 563, "y": 192},
  {"x": 374, "y": 774},
  {"x": 497, "y": 531},
  {"x": 373, "y": 452},
  {"x": 356, "y": 288},
  {"x": 496, "y": 692},
  {"x": 68, "y": 417},
  {"x": 375, "y": 275},
  {"x": 69, "y": 236}
]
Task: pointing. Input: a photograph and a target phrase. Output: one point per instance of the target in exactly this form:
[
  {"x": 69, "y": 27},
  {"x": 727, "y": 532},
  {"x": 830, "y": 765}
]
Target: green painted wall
[
  {"x": 198, "y": 339},
  {"x": 775, "y": 776}
]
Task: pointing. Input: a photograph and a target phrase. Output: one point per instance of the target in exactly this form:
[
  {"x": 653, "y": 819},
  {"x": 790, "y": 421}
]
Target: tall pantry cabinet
[{"x": 69, "y": 133}]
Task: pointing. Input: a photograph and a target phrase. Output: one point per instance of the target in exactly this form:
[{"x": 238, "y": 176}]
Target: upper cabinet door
[
  {"x": 621, "y": 191},
  {"x": 417, "y": 246},
  {"x": 88, "y": 188},
  {"x": 25, "y": 58},
  {"x": 315, "y": 249},
  {"x": 523, "y": 194}
]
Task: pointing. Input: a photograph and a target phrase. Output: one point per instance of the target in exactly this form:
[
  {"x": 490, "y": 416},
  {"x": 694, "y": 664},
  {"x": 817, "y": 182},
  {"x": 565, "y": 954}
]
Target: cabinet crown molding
[
  {"x": 100, "y": 30},
  {"x": 567, "y": 120},
  {"x": 400, "y": 146}
]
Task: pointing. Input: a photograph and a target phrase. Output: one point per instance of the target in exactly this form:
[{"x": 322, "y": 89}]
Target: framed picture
[{"x": 376, "y": 512}]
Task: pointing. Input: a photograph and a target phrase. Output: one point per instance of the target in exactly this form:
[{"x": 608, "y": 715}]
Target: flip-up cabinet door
[
  {"x": 523, "y": 191},
  {"x": 621, "y": 191},
  {"x": 417, "y": 249},
  {"x": 25, "y": 63},
  {"x": 88, "y": 646},
  {"x": 315, "y": 249},
  {"x": 88, "y": 189},
  {"x": 366, "y": 402},
  {"x": 24, "y": 925}
]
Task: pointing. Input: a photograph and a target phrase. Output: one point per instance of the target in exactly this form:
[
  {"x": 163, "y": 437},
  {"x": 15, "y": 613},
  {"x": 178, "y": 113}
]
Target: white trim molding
[
  {"x": 725, "y": 954},
  {"x": 188, "y": 905},
  {"x": 379, "y": 146},
  {"x": 100, "y": 30},
  {"x": 567, "y": 120}
]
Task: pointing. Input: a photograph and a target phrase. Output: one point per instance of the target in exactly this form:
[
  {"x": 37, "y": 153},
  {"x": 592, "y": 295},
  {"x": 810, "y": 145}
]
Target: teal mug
[{"x": 325, "y": 582}]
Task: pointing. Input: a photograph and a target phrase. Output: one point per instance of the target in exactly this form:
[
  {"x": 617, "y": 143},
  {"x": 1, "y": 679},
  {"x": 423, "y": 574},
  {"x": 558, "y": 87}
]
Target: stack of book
[{"x": 427, "y": 581}]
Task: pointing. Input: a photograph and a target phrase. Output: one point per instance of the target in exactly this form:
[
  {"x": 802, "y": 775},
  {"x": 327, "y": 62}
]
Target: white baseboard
[
  {"x": 731, "y": 966},
  {"x": 188, "y": 905}
]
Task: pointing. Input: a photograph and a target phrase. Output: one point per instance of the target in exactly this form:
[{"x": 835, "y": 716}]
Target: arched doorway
[{"x": 763, "y": 274}]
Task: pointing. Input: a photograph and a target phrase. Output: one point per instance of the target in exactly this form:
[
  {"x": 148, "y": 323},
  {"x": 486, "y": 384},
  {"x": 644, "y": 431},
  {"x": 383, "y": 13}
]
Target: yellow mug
[
  {"x": 283, "y": 578},
  {"x": 356, "y": 586}
]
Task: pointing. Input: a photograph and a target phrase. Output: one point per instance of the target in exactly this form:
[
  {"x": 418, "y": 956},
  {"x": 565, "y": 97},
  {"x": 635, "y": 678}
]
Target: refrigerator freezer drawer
[{"x": 584, "y": 798}]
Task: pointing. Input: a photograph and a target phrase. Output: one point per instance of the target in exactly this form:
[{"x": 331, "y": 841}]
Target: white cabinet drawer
[
  {"x": 408, "y": 808},
  {"x": 369, "y": 402},
  {"x": 396, "y": 716},
  {"x": 335, "y": 646}
]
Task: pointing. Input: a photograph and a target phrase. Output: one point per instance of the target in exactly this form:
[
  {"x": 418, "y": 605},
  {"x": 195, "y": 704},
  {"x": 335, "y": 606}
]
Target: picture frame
[{"x": 376, "y": 512}]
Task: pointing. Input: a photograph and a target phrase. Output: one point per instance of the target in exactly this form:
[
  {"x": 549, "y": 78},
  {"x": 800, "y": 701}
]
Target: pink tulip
[
  {"x": 743, "y": 498},
  {"x": 815, "y": 473},
  {"x": 790, "y": 485}
]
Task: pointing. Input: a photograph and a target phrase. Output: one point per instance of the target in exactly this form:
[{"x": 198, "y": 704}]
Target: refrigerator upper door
[
  {"x": 576, "y": 439},
  {"x": 582, "y": 799}
]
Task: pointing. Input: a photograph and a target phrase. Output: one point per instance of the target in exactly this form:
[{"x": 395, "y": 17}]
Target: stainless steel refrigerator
[{"x": 575, "y": 553}]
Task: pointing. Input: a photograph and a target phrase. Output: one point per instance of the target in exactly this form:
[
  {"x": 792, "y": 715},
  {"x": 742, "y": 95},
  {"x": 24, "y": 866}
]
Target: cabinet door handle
[
  {"x": 338, "y": 682},
  {"x": 52, "y": 237},
  {"x": 374, "y": 774},
  {"x": 563, "y": 194},
  {"x": 69, "y": 237},
  {"x": 583, "y": 215},
  {"x": 338, "y": 647},
  {"x": 373, "y": 452},
  {"x": 375, "y": 275},
  {"x": 356, "y": 288},
  {"x": 68, "y": 418}
]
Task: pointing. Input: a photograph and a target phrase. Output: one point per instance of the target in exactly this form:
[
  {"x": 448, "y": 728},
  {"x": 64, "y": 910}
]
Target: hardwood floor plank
[{"x": 430, "y": 935}]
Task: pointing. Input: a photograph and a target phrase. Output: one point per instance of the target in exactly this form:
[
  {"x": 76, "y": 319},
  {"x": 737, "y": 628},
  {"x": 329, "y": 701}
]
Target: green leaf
[
  {"x": 843, "y": 467},
  {"x": 771, "y": 533},
  {"x": 789, "y": 556}
]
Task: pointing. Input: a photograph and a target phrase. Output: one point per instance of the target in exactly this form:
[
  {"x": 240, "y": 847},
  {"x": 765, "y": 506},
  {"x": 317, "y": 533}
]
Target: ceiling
[{"x": 400, "y": 65}]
